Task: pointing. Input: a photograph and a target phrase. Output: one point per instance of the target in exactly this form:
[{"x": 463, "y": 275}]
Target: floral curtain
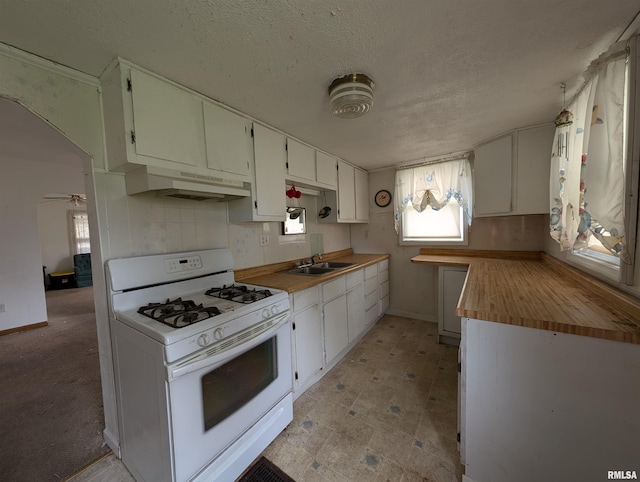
[
  {"x": 587, "y": 165},
  {"x": 433, "y": 185}
]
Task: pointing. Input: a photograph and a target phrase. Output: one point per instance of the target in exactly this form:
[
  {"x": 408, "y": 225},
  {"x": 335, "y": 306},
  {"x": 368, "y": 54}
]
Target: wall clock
[{"x": 383, "y": 198}]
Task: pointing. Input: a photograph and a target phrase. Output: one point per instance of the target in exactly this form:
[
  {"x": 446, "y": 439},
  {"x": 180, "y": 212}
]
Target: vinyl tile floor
[{"x": 386, "y": 412}]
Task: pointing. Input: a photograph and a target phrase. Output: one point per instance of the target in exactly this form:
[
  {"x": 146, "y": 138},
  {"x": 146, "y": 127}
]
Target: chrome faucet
[{"x": 313, "y": 258}]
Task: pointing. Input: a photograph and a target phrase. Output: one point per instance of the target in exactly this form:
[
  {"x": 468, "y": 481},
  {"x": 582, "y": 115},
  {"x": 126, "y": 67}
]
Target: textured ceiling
[{"x": 448, "y": 74}]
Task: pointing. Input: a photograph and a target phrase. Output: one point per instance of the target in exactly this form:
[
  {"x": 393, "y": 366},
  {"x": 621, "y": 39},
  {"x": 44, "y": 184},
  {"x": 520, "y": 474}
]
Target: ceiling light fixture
[{"x": 351, "y": 96}]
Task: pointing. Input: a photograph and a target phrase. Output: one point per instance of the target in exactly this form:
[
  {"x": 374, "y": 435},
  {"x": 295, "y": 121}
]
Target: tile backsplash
[{"x": 145, "y": 224}]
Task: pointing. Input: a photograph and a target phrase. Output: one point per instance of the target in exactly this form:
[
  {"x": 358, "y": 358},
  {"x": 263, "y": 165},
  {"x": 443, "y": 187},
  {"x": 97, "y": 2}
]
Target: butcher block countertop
[
  {"x": 276, "y": 276},
  {"x": 536, "y": 290}
]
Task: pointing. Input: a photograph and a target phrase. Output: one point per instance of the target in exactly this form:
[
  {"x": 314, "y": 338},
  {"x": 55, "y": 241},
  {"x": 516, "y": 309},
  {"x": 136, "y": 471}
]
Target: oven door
[{"x": 222, "y": 392}]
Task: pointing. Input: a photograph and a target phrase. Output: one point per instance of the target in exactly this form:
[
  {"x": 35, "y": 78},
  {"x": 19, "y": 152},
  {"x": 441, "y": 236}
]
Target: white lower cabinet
[
  {"x": 355, "y": 312},
  {"x": 330, "y": 318},
  {"x": 450, "y": 283},
  {"x": 307, "y": 336},
  {"x": 383, "y": 286},
  {"x": 336, "y": 331}
]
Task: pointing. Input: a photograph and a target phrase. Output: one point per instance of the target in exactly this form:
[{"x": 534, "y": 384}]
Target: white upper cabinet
[
  {"x": 346, "y": 192},
  {"x": 311, "y": 167},
  {"x": 167, "y": 121},
  {"x": 149, "y": 121},
  {"x": 301, "y": 160},
  {"x": 492, "y": 177},
  {"x": 228, "y": 141},
  {"x": 326, "y": 170},
  {"x": 362, "y": 195},
  {"x": 267, "y": 201},
  {"x": 534, "y": 162},
  {"x": 511, "y": 173},
  {"x": 353, "y": 194}
]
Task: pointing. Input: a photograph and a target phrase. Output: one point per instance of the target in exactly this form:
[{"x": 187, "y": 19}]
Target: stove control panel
[{"x": 188, "y": 263}]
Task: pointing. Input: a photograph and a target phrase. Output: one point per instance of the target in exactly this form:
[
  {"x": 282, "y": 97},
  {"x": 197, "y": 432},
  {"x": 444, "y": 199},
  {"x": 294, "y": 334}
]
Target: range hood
[{"x": 184, "y": 185}]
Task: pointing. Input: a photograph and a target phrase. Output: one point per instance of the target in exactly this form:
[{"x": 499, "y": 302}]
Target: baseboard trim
[
  {"x": 409, "y": 314},
  {"x": 18, "y": 329},
  {"x": 112, "y": 442}
]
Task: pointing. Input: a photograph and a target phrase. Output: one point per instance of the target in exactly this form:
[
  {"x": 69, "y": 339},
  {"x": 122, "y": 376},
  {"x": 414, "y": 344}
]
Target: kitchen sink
[
  {"x": 311, "y": 270},
  {"x": 321, "y": 268},
  {"x": 333, "y": 264}
]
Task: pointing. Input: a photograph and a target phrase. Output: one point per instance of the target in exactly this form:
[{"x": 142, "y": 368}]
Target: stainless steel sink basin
[
  {"x": 311, "y": 270},
  {"x": 333, "y": 264}
]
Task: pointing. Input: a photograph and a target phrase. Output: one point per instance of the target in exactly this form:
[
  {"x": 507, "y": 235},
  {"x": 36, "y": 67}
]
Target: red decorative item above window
[{"x": 293, "y": 192}]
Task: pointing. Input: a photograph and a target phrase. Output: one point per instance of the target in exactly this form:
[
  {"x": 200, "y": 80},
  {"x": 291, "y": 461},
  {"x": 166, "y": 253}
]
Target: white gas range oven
[{"x": 202, "y": 366}]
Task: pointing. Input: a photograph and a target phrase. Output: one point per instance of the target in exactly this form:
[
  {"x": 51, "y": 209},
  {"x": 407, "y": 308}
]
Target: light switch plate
[{"x": 3, "y": 307}]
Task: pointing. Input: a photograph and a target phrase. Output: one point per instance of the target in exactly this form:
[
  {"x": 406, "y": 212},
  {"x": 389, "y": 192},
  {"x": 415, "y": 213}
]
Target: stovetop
[
  {"x": 180, "y": 312},
  {"x": 193, "y": 296}
]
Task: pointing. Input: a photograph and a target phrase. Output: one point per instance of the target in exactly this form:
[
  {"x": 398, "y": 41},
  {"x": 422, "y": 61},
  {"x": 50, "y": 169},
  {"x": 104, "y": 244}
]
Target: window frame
[
  {"x": 441, "y": 241},
  {"x": 590, "y": 260}
]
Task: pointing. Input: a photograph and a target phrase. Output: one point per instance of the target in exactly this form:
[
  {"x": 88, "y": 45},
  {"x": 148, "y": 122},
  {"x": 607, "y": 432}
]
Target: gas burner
[
  {"x": 239, "y": 293},
  {"x": 178, "y": 313}
]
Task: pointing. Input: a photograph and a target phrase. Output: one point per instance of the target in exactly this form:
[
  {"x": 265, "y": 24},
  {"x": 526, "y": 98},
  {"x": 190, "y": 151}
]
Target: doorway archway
[{"x": 35, "y": 159}]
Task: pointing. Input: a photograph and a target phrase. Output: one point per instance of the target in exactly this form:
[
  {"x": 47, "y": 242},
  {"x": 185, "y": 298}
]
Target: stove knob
[
  {"x": 266, "y": 313},
  {"x": 218, "y": 333},
  {"x": 203, "y": 340},
  {"x": 274, "y": 310}
]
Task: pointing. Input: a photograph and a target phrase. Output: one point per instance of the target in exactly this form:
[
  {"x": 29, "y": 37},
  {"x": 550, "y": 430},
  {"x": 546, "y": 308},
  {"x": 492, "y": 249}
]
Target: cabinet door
[
  {"x": 228, "y": 138},
  {"x": 362, "y": 195},
  {"x": 492, "y": 177},
  {"x": 346, "y": 192},
  {"x": 326, "y": 169},
  {"x": 336, "y": 332},
  {"x": 308, "y": 339},
  {"x": 270, "y": 158},
  {"x": 355, "y": 312},
  {"x": 167, "y": 121},
  {"x": 451, "y": 281},
  {"x": 534, "y": 161},
  {"x": 301, "y": 160}
]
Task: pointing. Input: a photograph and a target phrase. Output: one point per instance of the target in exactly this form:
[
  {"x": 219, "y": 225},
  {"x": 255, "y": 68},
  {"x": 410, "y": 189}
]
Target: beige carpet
[{"x": 51, "y": 415}]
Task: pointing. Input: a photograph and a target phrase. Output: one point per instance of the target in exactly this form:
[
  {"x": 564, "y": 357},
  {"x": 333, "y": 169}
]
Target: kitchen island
[{"x": 550, "y": 370}]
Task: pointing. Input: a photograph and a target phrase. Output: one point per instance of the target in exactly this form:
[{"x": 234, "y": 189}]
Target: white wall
[
  {"x": 414, "y": 287},
  {"x": 21, "y": 282},
  {"x": 54, "y": 231}
]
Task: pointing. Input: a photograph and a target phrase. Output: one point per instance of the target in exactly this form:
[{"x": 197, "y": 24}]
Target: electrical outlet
[
  {"x": 3, "y": 307},
  {"x": 264, "y": 240}
]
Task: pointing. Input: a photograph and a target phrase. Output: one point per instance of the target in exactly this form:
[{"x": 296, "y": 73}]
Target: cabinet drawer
[
  {"x": 355, "y": 278},
  {"x": 334, "y": 288},
  {"x": 370, "y": 271},
  {"x": 370, "y": 300},
  {"x": 371, "y": 314},
  {"x": 383, "y": 265},
  {"x": 383, "y": 276},
  {"x": 303, "y": 299},
  {"x": 384, "y": 289},
  {"x": 371, "y": 285}
]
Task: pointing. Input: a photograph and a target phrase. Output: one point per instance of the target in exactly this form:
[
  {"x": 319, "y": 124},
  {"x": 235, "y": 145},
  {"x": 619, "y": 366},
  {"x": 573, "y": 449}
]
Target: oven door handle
[{"x": 227, "y": 349}]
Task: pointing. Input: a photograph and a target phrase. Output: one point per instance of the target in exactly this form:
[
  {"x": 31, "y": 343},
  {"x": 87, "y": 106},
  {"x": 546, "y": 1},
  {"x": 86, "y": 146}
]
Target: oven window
[{"x": 229, "y": 387}]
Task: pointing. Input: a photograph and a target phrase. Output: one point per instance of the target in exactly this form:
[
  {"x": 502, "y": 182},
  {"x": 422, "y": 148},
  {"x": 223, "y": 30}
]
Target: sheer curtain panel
[{"x": 587, "y": 182}]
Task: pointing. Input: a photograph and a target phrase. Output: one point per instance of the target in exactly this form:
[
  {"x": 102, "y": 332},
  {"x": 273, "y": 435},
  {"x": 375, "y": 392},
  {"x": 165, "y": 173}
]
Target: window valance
[{"x": 434, "y": 185}]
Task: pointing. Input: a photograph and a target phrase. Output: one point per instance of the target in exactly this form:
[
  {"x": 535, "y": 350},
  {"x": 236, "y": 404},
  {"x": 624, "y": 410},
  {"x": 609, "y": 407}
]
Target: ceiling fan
[{"x": 75, "y": 199}]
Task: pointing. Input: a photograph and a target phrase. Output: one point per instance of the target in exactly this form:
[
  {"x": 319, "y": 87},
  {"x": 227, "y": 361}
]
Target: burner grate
[
  {"x": 239, "y": 293},
  {"x": 178, "y": 313}
]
